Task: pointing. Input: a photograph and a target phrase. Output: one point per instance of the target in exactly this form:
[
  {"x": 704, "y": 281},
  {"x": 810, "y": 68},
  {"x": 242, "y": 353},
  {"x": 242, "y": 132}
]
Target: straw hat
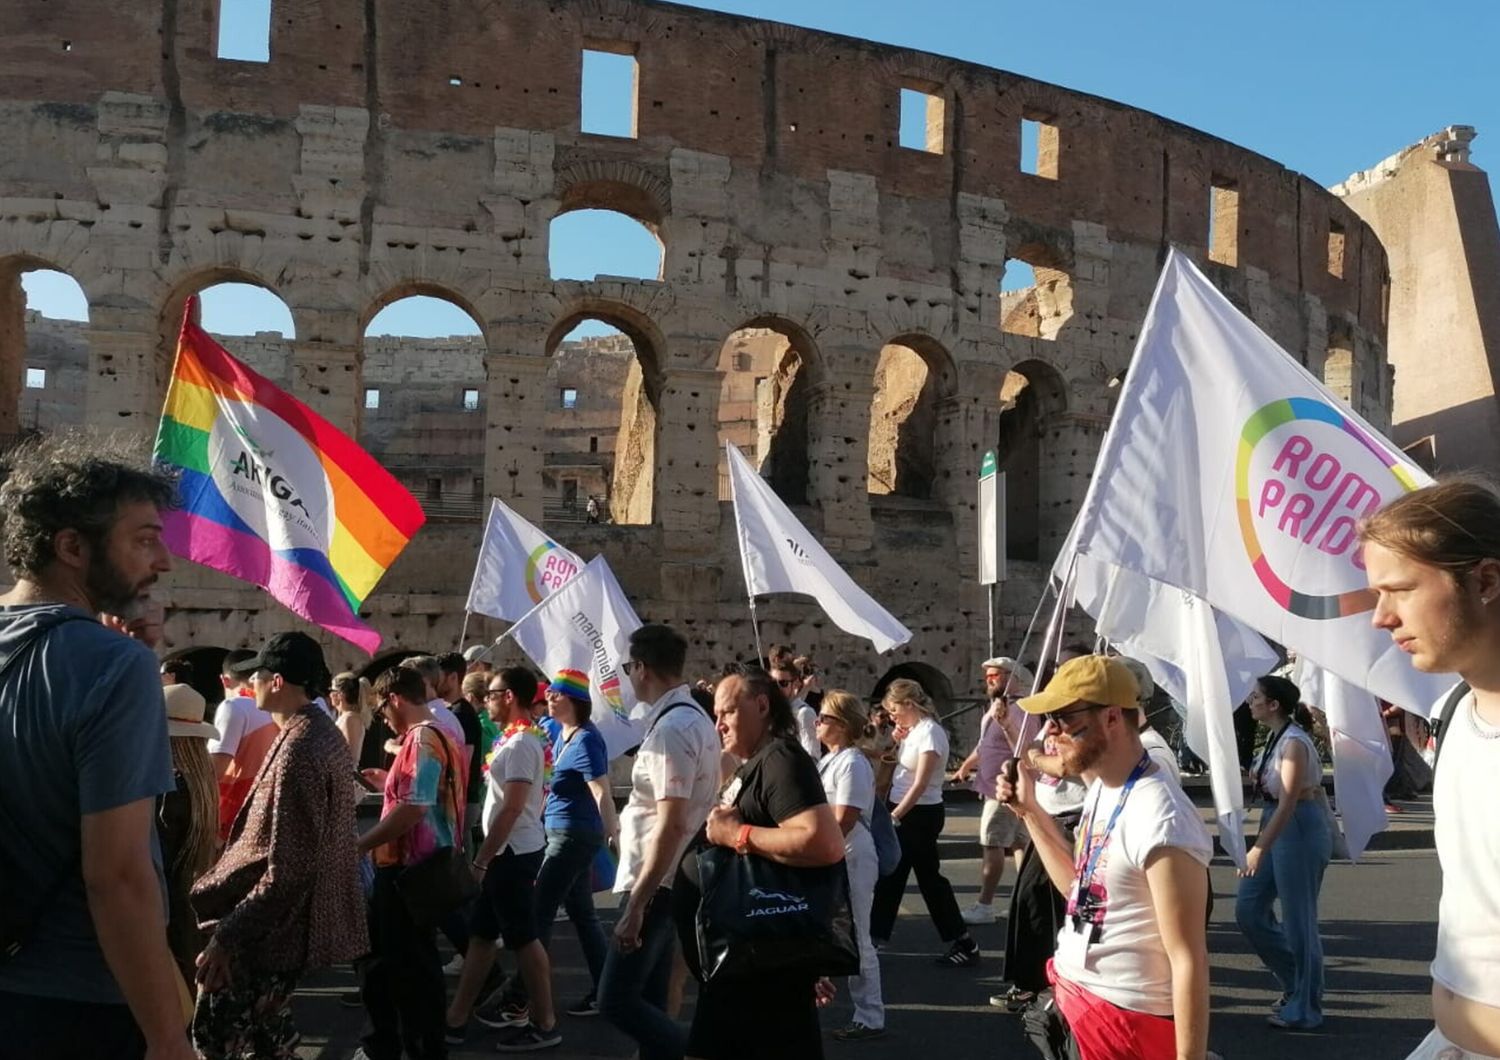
[{"x": 185, "y": 709}]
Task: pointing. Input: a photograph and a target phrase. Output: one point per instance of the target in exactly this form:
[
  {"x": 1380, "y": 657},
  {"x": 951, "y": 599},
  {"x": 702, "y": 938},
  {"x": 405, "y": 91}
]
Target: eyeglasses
[
  {"x": 828, "y": 719},
  {"x": 1063, "y": 718},
  {"x": 495, "y": 693},
  {"x": 785, "y": 682}
]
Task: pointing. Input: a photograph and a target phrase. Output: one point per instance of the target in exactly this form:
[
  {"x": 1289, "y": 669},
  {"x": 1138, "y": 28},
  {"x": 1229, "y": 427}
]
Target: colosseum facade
[{"x": 386, "y": 150}]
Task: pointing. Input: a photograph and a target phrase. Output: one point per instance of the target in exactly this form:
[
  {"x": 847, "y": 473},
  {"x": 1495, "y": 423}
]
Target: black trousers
[
  {"x": 44, "y": 1028},
  {"x": 403, "y": 988},
  {"x": 1036, "y": 916},
  {"x": 918, "y": 833}
]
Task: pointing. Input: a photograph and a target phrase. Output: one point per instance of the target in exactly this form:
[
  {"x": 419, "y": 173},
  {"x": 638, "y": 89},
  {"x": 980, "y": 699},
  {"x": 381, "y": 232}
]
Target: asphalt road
[{"x": 1378, "y": 928}]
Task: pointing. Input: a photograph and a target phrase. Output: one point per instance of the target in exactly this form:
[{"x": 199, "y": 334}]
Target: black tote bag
[
  {"x": 757, "y": 916},
  {"x": 433, "y": 888}
]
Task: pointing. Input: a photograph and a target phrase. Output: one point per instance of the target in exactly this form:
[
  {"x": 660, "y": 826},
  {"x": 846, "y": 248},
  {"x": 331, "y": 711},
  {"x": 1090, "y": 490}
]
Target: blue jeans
[
  {"x": 565, "y": 879},
  {"x": 633, "y": 986},
  {"x": 1291, "y": 870}
]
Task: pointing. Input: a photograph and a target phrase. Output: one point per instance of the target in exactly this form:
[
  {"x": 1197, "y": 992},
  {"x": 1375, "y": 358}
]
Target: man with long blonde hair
[{"x": 1433, "y": 560}]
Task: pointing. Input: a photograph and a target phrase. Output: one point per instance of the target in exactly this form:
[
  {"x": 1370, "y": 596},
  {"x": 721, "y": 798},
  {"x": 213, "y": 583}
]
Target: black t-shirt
[
  {"x": 468, "y": 720},
  {"x": 780, "y": 781}
]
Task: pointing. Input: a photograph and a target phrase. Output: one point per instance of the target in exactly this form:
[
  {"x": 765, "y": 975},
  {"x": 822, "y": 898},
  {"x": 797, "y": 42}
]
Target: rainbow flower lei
[{"x": 530, "y": 729}]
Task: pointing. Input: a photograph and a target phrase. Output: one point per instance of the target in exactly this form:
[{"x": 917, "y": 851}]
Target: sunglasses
[
  {"x": 829, "y": 719},
  {"x": 786, "y": 682},
  {"x": 1063, "y": 718}
]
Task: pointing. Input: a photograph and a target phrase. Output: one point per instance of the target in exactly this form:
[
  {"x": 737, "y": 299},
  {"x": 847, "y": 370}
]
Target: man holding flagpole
[{"x": 1433, "y": 558}]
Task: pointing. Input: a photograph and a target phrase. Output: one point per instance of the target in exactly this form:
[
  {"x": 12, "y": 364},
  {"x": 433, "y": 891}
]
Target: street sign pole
[{"x": 991, "y": 536}]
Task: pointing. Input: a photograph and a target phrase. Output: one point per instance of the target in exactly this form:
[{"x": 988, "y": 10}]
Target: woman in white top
[
  {"x": 350, "y": 698},
  {"x": 1288, "y": 858},
  {"x": 849, "y": 782},
  {"x": 917, "y": 808}
]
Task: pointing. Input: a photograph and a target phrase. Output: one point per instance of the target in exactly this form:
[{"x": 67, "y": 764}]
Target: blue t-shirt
[
  {"x": 575, "y": 762},
  {"x": 551, "y": 726},
  {"x": 83, "y": 729}
]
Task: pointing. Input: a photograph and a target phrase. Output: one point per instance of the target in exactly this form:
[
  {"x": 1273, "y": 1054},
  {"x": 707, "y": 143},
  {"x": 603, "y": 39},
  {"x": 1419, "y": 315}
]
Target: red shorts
[{"x": 1105, "y": 1031}]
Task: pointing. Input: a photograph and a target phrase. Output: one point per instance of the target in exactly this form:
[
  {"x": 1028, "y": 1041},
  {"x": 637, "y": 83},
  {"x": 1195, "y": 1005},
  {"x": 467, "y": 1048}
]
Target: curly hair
[{"x": 71, "y": 481}]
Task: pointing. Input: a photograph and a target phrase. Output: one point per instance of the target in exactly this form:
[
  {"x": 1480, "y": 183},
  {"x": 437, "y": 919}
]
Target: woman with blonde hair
[
  {"x": 351, "y": 699},
  {"x": 188, "y": 820},
  {"x": 916, "y": 803},
  {"x": 849, "y": 782}
]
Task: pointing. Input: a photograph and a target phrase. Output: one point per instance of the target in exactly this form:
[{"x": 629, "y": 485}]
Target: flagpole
[
  {"x": 464, "y": 632},
  {"x": 1053, "y": 641},
  {"x": 739, "y": 535}
]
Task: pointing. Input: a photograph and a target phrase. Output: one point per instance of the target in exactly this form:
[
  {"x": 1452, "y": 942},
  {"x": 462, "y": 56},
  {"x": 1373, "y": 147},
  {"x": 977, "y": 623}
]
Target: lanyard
[{"x": 1089, "y": 858}]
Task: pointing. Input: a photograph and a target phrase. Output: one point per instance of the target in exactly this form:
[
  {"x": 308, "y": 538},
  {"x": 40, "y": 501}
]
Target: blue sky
[{"x": 1326, "y": 87}]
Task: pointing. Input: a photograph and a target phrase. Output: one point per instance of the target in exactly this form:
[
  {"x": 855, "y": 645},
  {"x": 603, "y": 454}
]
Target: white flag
[
  {"x": 586, "y": 625},
  {"x": 1361, "y": 751},
  {"x": 518, "y": 566},
  {"x": 780, "y": 556},
  {"x": 1230, "y": 471}
]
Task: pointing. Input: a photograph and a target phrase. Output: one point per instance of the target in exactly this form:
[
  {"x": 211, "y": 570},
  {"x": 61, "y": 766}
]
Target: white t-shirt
[
  {"x": 236, "y": 718},
  {"x": 926, "y": 735},
  {"x": 1127, "y": 964},
  {"x": 849, "y": 780},
  {"x": 1161, "y": 753},
  {"x": 445, "y": 719},
  {"x": 1291, "y": 736},
  {"x": 1058, "y": 796},
  {"x": 678, "y": 759},
  {"x": 1467, "y": 831},
  {"x": 518, "y": 758},
  {"x": 807, "y": 728}
]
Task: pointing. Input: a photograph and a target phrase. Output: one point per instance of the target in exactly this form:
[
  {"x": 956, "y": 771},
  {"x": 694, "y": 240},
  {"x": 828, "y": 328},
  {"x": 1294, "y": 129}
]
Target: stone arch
[
  {"x": 933, "y": 681},
  {"x": 1032, "y": 393},
  {"x": 785, "y": 365},
  {"x": 623, "y": 187},
  {"x": 169, "y": 318},
  {"x": 913, "y": 375},
  {"x": 413, "y": 287},
  {"x": 63, "y": 356},
  {"x": 387, "y": 660},
  {"x": 626, "y": 465},
  {"x": 206, "y": 660}
]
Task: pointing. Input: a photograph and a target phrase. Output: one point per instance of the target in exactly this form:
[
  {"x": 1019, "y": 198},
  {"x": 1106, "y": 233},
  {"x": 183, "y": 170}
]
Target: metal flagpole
[
  {"x": 464, "y": 632},
  {"x": 739, "y": 533},
  {"x": 1053, "y": 642},
  {"x": 755, "y": 625}
]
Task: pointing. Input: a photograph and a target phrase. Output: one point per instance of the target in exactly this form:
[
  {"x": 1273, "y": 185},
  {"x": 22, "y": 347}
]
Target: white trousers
[
  {"x": 1437, "y": 1047},
  {"x": 864, "y": 988}
]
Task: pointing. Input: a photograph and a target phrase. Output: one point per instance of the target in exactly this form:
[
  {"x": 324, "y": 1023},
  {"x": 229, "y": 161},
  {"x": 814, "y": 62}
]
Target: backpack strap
[{"x": 1439, "y": 724}]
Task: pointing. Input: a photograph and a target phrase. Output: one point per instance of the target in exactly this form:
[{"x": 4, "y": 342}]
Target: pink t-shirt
[{"x": 994, "y": 748}]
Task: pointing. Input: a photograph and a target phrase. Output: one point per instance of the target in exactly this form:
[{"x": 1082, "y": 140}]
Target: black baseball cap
[{"x": 295, "y": 656}]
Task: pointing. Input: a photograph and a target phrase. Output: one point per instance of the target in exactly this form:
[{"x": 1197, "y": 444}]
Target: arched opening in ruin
[
  {"x": 1036, "y": 292},
  {"x": 243, "y": 314},
  {"x": 1031, "y": 393},
  {"x": 602, "y": 400},
  {"x": 588, "y": 243},
  {"x": 421, "y": 399},
  {"x": 44, "y": 355},
  {"x": 206, "y": 661},
  {"x": 912, "y": 376},
  {"x": 1340, "y": 368},
  {"x": 933, "y": 681},
  {"x": 769, "y": 369}
]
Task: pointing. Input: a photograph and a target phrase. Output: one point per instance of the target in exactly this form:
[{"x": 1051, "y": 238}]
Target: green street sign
[{"x": 988, "y": 466}]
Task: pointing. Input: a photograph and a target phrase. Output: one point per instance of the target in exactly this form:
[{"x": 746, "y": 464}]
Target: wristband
[{"x": 742, "y": 843}]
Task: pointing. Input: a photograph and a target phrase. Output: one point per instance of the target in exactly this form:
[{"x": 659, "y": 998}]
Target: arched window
[
  {"x": 910, "y": 377},
  {"x": 1030, "y": 393},
  {"x": 253, "y": 323},
  {"x": 585, "y": 244},
  {"x": 44, "y": 357},
  {"x": 767, "y": 381},
  {"x": 1036, "y": 293},
  {"x": 422, "y": 400},
  {"x": 601, "y": 414}
]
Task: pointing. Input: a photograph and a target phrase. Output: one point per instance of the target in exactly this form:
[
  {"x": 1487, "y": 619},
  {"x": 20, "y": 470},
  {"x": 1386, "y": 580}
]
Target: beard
[
  {"x": 1080, "y": 754},
  {"x": 109, "y": 590}
]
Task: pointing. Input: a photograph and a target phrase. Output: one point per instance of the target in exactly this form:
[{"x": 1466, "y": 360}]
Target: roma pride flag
[{"x": 274, "y": 494}]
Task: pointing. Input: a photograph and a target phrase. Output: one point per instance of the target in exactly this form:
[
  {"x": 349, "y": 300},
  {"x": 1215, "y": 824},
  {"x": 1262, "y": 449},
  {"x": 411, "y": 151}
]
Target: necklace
[{"x": 1483, "y": 729}]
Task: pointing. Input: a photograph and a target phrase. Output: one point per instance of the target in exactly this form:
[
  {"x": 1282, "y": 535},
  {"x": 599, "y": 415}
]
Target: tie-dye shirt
[{"x": 428, "y": 772}]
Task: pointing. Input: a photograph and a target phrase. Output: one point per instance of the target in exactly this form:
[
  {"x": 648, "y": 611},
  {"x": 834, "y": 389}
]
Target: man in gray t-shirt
[{"x": 84, "y": 754}]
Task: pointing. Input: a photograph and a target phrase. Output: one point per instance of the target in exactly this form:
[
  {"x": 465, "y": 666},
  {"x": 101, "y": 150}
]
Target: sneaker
[
  {"x": 530, "y": 1039},
  {"x": 964, "y": 953},
  {"x": 503, "y": 1015},
  {"x": 1013, "y": 1000},
  {"x": 979, "y": 913},
  {"x": 858, "y": 1032},
  {"x": 588, "y": 1006},
  {"x": 455, "y": 966},
  {"x": 1279, "y": 1004},
  {"x": 455, "y": 1035}
]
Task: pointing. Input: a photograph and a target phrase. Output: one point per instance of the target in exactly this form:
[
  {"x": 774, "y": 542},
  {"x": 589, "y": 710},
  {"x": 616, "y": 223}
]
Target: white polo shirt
[{"x": 678, "y": 759}]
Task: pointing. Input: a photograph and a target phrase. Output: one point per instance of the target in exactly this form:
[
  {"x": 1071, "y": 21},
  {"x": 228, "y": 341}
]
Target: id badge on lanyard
[{"x": 1087, "y": 910}]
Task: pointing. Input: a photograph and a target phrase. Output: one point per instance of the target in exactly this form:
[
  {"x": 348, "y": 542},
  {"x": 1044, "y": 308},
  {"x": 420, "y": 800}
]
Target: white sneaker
[
  {"x": 979, "y": 913},
  {"x": 455, "y": 966}
]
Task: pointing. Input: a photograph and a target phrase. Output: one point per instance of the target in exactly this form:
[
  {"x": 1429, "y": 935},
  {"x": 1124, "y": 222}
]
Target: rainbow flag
[{"x": 274, "y": 494}]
